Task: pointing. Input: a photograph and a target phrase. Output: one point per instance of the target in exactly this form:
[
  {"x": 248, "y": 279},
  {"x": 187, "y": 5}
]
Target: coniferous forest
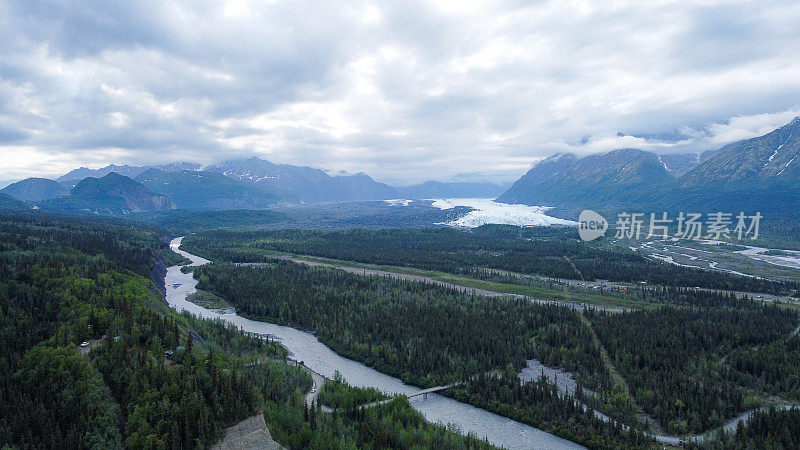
[
  {"x": 152, "y": 378},
  {"x": 148, "y": 377},
  {"x": 556, "y": 253},
  {"x": 422, "y": 333},
  {"x": 690, "y": 365}
]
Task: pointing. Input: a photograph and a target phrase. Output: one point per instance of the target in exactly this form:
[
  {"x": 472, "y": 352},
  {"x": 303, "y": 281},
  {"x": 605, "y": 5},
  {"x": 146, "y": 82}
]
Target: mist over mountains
[{"x": 761, "y": 173}]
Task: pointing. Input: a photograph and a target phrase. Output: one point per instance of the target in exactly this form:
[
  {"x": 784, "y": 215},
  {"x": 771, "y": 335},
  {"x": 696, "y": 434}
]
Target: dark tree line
[
  {"x": 539, "y": 403},
  {"x": 772, "y": 428},
  {"x": 674, "y": 359},
  {"x": 392, "y": 425},
  {"x": 66, "y": 280},
  {"x": 423, "y": 333},
  {"x": 549, "y": 253}
]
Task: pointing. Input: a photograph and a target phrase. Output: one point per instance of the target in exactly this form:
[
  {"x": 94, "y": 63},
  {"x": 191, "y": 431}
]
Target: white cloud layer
[{"x": 405, "y": 91}]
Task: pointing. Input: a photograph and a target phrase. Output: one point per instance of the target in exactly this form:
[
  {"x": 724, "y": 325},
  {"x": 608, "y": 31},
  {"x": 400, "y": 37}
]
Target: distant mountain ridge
[
  {"x": 761, "y": 173},
  {"x": 125, "y": 170},
  {"x": 250, "y": 183},
  {"x": 769, "y": 160},
  {"x": 34, "y": 189},
  {"x": 305, "y": 183}
]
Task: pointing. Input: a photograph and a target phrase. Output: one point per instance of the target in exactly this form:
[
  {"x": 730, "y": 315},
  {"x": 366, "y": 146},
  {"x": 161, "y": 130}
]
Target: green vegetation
[
  {"x": 554, "y": 253},
  {"x": 427, "y": 335},
  {"x": 171, "y": 258},
  {"x": 62, "y": 402},
  {"x": 773, "y": 428},
  {"x": 339, "y": 395},
  {"x": 183, "y": 221},
  {"x": 671, "y": 357},
  {"x": 770, "y": 368},
  {"x": 692, "y": 363},
  {"x": 422, "y": 333},
  {"x": 151, "y": 378},
  {"x": 539, "y": 404},
  {"x": 69, "y": 281},
  {"x": 393, "y": 425},
  {"x": 507, "y": 283},
  {"x": 208, "y": 300}
]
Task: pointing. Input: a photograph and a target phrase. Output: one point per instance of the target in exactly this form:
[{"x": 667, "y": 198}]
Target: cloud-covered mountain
[
  {"x": 148, "y": 83},
  {"x": 759, "y": 174},
  {"x": 772, "y": 160},
  {"x": 305, "y": 183},
  {"x": 34, "y": 189},
  {"x": 462, "y": 189},
  {"x": 209, "y": 190}
]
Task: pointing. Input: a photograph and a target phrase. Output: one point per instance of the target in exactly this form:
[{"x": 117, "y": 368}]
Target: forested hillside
[
  {"x": 674, "y": 359},
  {"x": 773, "y": 428},
  {"x": 430, "y": 335},
  {"x": 64, "y": 282},
  {"x": 147, "y": 377}
]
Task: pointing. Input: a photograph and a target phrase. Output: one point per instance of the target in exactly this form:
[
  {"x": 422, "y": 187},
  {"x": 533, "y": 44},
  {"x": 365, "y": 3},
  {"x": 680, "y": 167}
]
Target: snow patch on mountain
[
  {"x": 773, "y": 155},
  {"x": 486, "y": 211}
]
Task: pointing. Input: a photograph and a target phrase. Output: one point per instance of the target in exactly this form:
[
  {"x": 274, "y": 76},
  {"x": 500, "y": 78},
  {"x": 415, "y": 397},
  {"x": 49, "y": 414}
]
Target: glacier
[{"x": 487, "y": 211}]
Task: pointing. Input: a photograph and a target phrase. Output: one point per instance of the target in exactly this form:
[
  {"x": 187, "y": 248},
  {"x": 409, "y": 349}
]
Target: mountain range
[
  {"x": 306, "y": 184},
  {"x": 34, "y": 189},
  {"x": 251, "y": 183},
  {"x": 612, "y": 179},
  {"x": 126, "y": 170},
  {"x": 762, "y": 174}
]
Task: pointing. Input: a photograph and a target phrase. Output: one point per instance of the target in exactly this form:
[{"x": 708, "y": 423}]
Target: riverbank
[{"x": 305, "y": 347}]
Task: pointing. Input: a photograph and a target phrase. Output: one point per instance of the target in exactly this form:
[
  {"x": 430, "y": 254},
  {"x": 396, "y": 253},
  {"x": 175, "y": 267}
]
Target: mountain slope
[
  {"x": 111, "y": 194},
  {"x": 619, "y": 177},
  {"x": 759, "y": 174},
  {"x": 10, "y": 204},
  {"x": 764, "y": 161},
  {"x": 207, "y": 190},
  {"x": 362, "y": 187},
  {"x": 305, "y": 183},
  {"x": 681, "y": 163},
  {"x": 35, "y": 189}
]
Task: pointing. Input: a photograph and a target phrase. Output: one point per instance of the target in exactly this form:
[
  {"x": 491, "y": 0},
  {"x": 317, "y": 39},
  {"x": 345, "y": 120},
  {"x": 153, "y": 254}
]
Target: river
[{"x": 307, "y": 348}]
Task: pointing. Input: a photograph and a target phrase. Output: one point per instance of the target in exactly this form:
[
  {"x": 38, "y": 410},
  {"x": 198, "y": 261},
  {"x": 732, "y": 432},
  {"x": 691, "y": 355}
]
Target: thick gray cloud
[{"x": 405, "y": 91}]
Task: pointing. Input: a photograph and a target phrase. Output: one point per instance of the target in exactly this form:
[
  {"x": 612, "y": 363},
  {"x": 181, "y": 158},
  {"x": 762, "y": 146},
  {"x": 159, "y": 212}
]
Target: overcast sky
[{"x": 404, "y": 91}]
